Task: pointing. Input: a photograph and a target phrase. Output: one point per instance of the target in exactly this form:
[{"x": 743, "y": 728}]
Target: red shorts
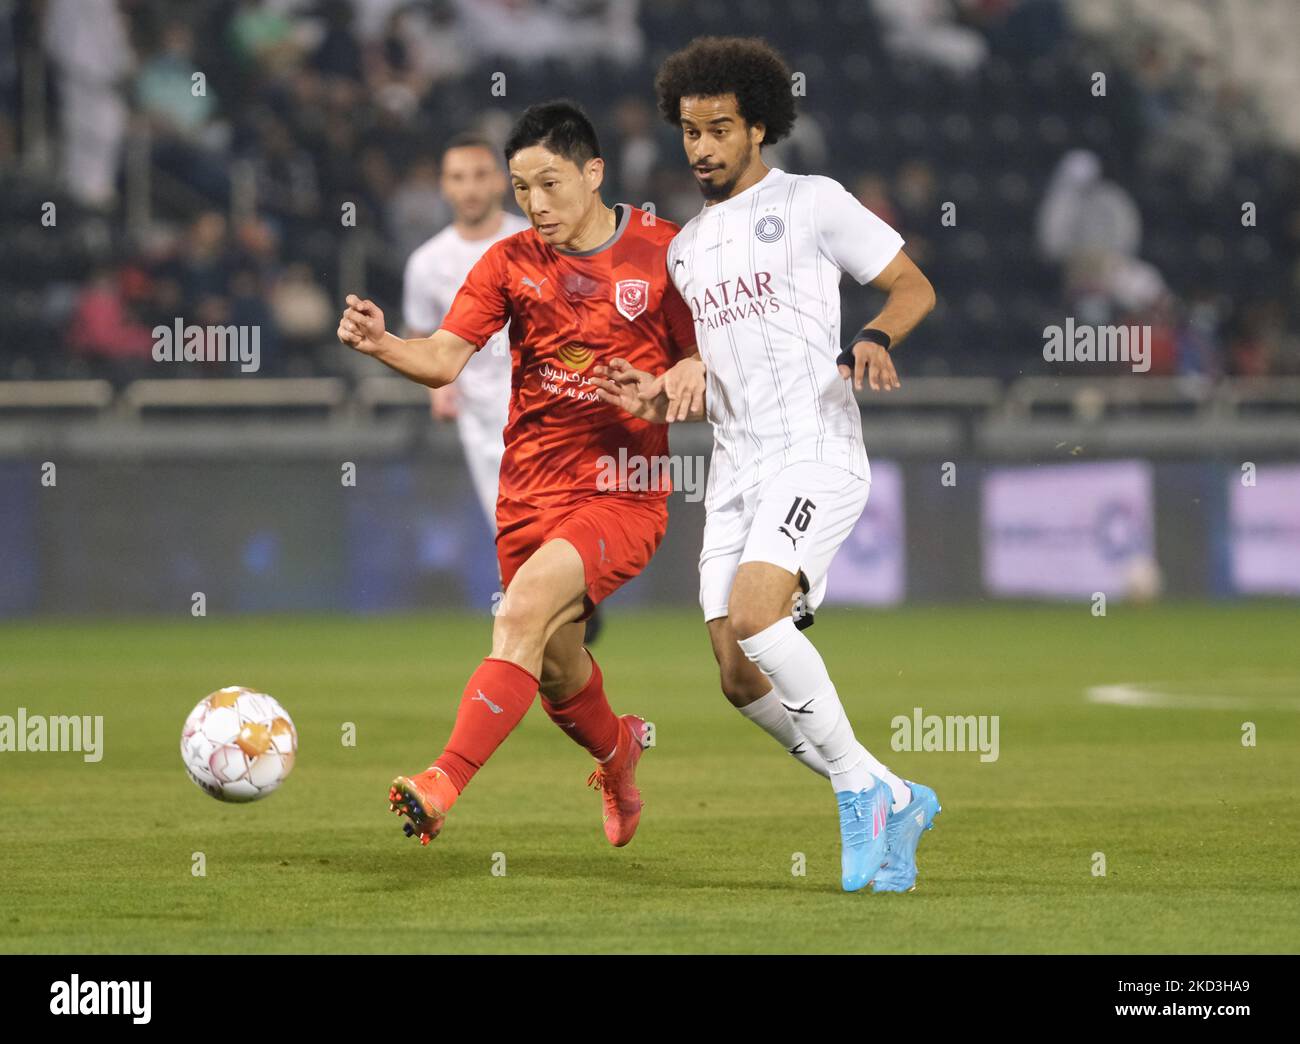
[{"x": 615, "y": 536}]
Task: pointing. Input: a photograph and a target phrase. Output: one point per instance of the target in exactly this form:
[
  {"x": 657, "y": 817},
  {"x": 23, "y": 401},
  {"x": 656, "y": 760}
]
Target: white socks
[
  {"x": 770, "y": 716},
  {"x": 901, "y": 791},
  {"x": 799, "y": 675}
]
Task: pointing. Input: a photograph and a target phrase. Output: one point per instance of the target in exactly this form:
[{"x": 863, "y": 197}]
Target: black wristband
[
  {"x": 867, "y": 333},
  {"x": 870, "y": 333}
]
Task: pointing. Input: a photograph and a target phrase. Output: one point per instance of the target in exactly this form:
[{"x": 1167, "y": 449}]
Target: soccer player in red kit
[{"x": 584, "y": 284}]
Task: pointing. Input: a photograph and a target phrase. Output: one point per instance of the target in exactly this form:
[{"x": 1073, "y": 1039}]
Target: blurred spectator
[
  {"x": 916, "y": 210},
  {"x": 1258, "y": 340},
  {"x": 927, "y": 31},
  {"x": 638, "y": 149},
  {"x": 1022, "y": 29},
  {"x": 166, "y": 91},
  {"x": 423, "y": 45},
  {"x": 917, "y": 194},
  {"x": 1093, "y": 229},
  {"x": 804, "y": 150},
  {"x": 416, "y": 210},
  {"x": 250, "y": 309},
  {"x": 179, "y": 110},
  {"x": 1083, "y": 214},
  {"x": 203, "y": 266},
  {"x": 575, "y": 31},
  {"x": 102, "y": 326},
  {"x": 378, "y": 182},
  {"x": 337, "y": 55},
  {"x": 303, "y": 313},
  {"x": 263, "y": 33},
  {"x": 91, "y": 55},
  {"x": 256, "y": 246},
  {"x": 10, "y": 98},
  {"x": 284, "y": 172},
  {"x": 872, "y": 191},
  {"x": 1198, "y": 351},
  {"x": 314, "y": 110}
]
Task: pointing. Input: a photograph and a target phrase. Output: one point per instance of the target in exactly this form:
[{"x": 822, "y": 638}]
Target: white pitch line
[{"x": 1133, "y": 694}]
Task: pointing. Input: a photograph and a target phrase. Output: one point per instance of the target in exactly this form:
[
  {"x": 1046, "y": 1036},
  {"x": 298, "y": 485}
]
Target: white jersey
[
  {"x": 434, "y": 272},
  {"x": 761, "y": 274}
]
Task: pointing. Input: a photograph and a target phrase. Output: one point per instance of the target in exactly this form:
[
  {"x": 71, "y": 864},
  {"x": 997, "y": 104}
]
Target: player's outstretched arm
[
  {"x": 910, "y": 299},
  {"x": 433, "y": 361}
]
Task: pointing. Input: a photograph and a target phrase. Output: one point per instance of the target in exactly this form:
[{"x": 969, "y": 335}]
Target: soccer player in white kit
[
  {"x": 474, "y": 183},
  {"x": 760, "y": 267}
]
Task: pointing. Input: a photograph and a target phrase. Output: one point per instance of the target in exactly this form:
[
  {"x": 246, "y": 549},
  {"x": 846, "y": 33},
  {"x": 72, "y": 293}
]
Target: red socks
[
  {"x": 496, "y": 698},
  {"x": 587, "y": 718}
]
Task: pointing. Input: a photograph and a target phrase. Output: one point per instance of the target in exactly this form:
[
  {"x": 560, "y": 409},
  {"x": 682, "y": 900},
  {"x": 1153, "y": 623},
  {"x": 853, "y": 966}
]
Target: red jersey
[{"x": 568, "y": 312}]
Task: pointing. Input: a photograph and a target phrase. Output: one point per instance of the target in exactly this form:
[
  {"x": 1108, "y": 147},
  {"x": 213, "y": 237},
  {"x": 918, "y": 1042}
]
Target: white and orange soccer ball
[{"x": 238, "y": 745}]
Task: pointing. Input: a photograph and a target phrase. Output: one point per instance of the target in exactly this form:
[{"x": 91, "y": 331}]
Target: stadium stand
[{"x": 226, "y": 207}]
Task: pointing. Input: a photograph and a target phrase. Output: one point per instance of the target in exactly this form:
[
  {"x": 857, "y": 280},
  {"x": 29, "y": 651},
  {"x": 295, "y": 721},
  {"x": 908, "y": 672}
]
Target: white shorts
[
  {"x": 480, "y": 437},
  {"x": 796, "y": 519}
]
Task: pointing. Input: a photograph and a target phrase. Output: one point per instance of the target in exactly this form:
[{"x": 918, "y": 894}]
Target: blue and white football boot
[
  {"x": 904, "y": 831},
  {"x": 864, "y": 835}
]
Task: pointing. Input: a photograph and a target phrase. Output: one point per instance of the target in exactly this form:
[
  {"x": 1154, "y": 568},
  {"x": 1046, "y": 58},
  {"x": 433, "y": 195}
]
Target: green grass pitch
[{"x": 1199, "y": 832}]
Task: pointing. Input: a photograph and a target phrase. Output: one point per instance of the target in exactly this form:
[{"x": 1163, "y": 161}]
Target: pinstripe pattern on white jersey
[{"x": 760, "y": 272}]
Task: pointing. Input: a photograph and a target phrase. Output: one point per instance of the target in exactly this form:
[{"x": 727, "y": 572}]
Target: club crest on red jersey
[{"x": 631, "y": 297}]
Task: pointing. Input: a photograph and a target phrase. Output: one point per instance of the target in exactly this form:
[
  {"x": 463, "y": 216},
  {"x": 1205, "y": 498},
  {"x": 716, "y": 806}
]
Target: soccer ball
[{"x": 238, "y": 745}]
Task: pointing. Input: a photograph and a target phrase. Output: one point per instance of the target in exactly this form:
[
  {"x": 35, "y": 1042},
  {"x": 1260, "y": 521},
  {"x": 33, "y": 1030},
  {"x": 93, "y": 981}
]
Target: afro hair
[{"x": 748, "y": 67}]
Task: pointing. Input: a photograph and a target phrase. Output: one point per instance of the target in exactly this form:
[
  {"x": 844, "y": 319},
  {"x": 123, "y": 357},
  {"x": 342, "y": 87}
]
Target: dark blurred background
[
  {"x": 1115, "y": 161},
  {"x": 225, "y": 207}
]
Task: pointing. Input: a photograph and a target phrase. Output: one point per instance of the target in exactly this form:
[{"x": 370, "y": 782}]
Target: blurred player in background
[
  {"x": 473, "y": 184},
  {"x": 760, "y": 266},
  {"x": 585, "y": 283}
]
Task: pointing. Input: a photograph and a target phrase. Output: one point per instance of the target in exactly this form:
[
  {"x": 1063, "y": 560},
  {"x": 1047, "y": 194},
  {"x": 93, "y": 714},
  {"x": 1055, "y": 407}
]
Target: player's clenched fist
[{"x": 362, "y": 325}]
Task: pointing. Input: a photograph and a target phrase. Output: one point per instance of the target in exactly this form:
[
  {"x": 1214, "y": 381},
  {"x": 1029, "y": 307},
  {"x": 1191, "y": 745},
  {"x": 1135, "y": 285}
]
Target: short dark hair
[
  {"x": 748, "y": 67},
  {"x": 470, "y": 140},
  {"x": 560, "y": 126}
]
